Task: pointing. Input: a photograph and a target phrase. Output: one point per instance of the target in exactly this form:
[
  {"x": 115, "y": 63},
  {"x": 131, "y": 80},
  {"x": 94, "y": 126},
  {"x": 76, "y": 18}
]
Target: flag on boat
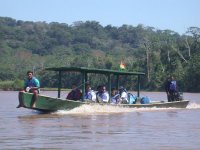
[{"x": 122, "y": 66}]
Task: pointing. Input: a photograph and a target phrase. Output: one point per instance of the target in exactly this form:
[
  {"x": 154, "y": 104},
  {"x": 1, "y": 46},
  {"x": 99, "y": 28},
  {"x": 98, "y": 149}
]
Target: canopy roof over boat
[
  {"x": 93, "y": 70},
  {"x": 84, "y": 71}
]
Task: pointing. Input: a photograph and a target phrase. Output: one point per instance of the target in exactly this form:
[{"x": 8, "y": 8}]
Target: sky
[{"x": 175, "y": 15}]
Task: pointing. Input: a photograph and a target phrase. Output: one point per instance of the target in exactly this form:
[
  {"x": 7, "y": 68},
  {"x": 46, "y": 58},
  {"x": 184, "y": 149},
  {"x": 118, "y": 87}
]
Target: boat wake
[
  {"x": 99, "y": 109},
  {"x": 193, "y": 106},
  {"x": 105, "y": 109}
]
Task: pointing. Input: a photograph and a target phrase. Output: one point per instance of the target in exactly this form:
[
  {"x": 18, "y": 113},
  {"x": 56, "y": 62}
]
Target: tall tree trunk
[
  {"x": 179, "y": 53},
  {"x": 188, "y": 47},
  {"x": 148, "y": 62}
]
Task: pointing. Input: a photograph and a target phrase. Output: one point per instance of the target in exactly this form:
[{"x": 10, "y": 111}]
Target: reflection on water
[{"x": 97, "y": 127}]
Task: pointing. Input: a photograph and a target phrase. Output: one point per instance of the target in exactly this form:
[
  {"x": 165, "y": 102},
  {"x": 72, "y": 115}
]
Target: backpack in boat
[
  {"x": 131, "y": 98},
  {"x": 172, "y": 86},
  {"x": 145, "y": 100}
]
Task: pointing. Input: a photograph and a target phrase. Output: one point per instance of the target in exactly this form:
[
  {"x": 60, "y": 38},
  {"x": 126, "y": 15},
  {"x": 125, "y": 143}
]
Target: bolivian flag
[{"x": 122, "y": 66}]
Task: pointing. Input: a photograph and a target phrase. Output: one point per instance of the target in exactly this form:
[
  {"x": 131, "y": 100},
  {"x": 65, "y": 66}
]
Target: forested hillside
[{"x": 33, "y": 46}]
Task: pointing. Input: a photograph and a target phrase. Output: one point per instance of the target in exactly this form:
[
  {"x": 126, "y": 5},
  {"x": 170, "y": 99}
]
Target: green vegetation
[
  {"x": 26, "y": 45},
  {"x": 12, "y": 85}
]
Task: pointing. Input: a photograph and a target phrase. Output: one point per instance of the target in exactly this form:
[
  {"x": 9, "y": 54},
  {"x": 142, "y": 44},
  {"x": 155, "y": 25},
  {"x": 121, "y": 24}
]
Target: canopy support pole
[
  {"x": 59, "y": 83},
  {"x": 138, "y": 88},
  {"x": 84, "y": 79},
  {"x": 117, "y": 86},
  {"x": 109, "y": 86}
]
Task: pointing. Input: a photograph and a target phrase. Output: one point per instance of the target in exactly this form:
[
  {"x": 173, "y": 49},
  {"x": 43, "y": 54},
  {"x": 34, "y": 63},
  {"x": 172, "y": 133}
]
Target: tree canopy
[{"x": 26, "y": 45}]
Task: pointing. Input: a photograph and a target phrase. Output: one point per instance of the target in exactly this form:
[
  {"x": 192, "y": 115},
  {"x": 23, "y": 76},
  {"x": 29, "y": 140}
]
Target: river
[{"x": 100, "y": 128}]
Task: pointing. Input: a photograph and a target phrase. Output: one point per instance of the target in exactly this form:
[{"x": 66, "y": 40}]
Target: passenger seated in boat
[
  {"x": 90, "y": 95},
  {"x": 74, "y": 94},
  {"x": 98, "y": 89},
  {"x": 31, "y": 85},
  {"x": 103, "y": 96},
  {"x": 115, "y": 97},
  {"x": 123, "y": 95}
]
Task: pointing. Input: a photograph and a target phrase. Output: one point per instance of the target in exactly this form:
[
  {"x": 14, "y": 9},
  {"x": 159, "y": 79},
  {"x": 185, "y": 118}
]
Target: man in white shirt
[
  {"x": 89, "y": 94},
  {"x": 103, "y": 96},
  {"x": 123, "y": 95}
]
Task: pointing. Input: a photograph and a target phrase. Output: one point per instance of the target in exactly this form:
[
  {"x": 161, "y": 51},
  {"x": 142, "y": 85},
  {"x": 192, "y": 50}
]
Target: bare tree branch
[
  {"x": 187, "y": 46},
  {"x": 179, "y": 53}
]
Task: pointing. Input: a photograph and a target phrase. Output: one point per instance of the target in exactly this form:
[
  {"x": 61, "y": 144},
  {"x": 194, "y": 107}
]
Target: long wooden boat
[{"x": 50, "y": 104}]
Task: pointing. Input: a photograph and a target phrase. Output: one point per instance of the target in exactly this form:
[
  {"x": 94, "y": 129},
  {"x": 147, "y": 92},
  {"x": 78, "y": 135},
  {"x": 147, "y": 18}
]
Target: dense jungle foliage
[{"x": 26, "y": 45}]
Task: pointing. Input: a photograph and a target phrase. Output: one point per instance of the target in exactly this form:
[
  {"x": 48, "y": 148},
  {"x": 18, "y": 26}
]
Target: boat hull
[
  {"x": 50, "y": 104},
  {"x": 161, "y": 104},
  {"x": 46, "y": 104}
]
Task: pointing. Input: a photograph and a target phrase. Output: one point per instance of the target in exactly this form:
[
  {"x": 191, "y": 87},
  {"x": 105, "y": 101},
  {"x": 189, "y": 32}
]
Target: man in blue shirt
[
  {"x": 171, "y": 89},
  {"x": 32, "y": 85}
]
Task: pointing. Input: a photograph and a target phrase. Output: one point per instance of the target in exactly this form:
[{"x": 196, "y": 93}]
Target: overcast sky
[{"x": 175, "y": 15}]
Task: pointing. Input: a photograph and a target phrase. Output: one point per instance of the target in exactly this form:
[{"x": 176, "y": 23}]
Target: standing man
[
  {"x": 31, "y": 85},
  {"x": 171, "y": 89}
]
